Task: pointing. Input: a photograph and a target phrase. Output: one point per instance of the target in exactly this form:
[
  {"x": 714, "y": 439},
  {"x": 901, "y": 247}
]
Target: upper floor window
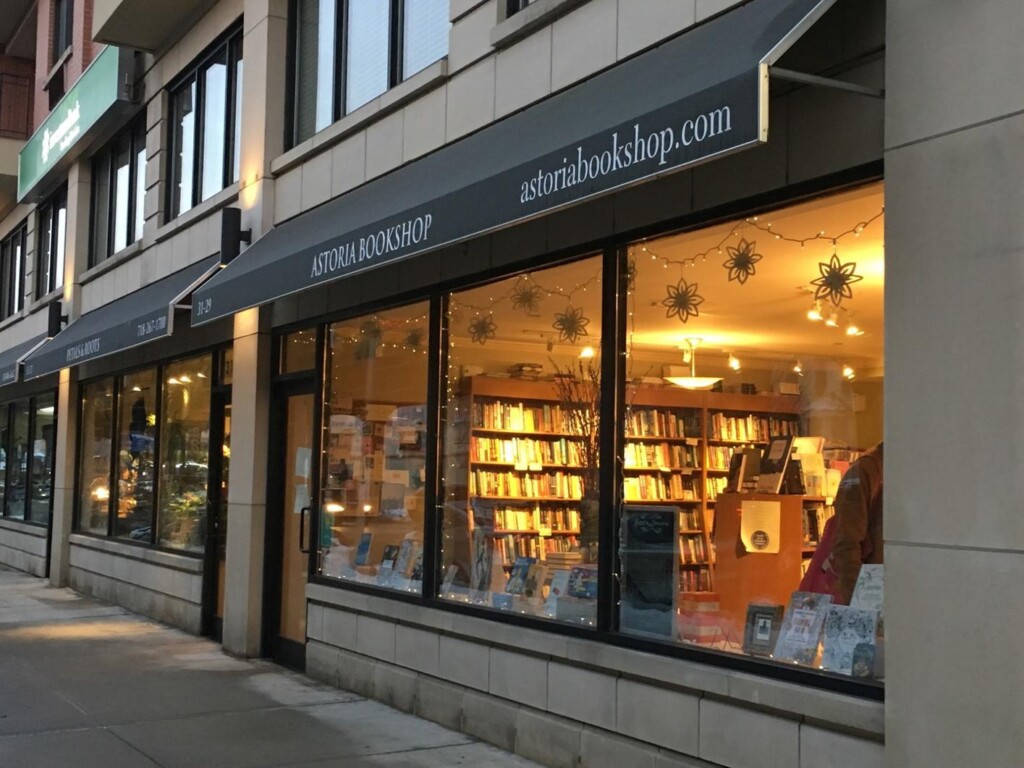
[
  {"x": 118, "y": 193},
  {"x": 63, "y": 20},
  {"x": 12, "y": 271},
  {"x": 205, "y": 137},
  {"x": 347, "y": 52},
  {"x": 53, "y": 215}
]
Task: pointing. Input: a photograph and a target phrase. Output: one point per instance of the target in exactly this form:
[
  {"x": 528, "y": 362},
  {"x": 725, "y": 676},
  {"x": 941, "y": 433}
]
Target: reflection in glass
[
  {"x": 425, "y": 34},
  {"x": 374, "y": 449},
  {"x": 133, "y": 517},
  {"x": 184, "y": 454},
  {"x": 94, "y": 456},
  {"x": 122, "y": 182},
  {"x": 366, "y": 57},
  {"x": 520, "y": 453},
  {"x": 41, "y": 463},
  {"x": 140, "y": 182},
  {"x": 236, "y": 151},
  {"x": 215, "y": 83},
  {"x": 298, "y": 351},
  {"x": 15, "y": 502},
  {"x": 184, "y": 145}
]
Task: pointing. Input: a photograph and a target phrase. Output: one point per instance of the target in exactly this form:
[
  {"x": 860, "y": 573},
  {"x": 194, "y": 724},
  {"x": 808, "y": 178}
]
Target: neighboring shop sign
[
  {"x": 699, "y": 96},
  {"x": 106, "y": 83}
]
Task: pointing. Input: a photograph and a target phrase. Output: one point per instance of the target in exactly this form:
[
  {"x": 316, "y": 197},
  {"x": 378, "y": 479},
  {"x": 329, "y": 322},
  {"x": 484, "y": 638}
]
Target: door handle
[{"x": 302, "y": 530}]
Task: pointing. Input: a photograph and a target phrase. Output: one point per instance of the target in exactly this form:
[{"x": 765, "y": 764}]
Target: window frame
[
  {"x": 229, "y": 45},
  {"x": 339, "y": 107},
  {"x": 12, "y": 271},
  {"x": 135, "y": 134},
  {"x": 63, "y": 14},
  {"x": 217, "y": 389},
  {"x": 56, "y": 202}
]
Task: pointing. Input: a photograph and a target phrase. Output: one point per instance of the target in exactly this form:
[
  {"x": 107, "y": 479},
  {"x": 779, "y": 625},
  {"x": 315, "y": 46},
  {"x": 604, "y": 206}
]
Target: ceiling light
[
  {"x": 734, "y": 362},
  {"x": 173, "y": 380},
  {"x": 798, "y": 369},
  {"x": 46, "y": 410},
  {"x": 848, "y": 372},
  {"x": 833, "y": 320},
  {"x": 101, "y": 493},
  {"x": 676, "y": 375},
  {"x": 367, "y": 508},
  {"x": 185, "y": 379},
  {"x": 586, "y": 353},
  {"x": 201, "y": 375},
  {"x": 136, "y": 388},
  {"x": 853, "y": 329},
  {"x": 814, "y": 313},
  {"x": 333, "y": 507}
]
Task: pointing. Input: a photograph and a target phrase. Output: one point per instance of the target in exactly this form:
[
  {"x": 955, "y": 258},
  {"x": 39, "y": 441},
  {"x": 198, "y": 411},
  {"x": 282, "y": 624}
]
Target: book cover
[
  {"x": 583, "y": 582},
  {"x": 416, "y": 573},
  {"x": 403, "y": 562},
  {"x": 845, "y": 629},
  {"x": 774, "y": 463},
  {"x": 761, "y": 628},
  {"x": 869, "y": 591},
  {"x": 533, "y": 587},
  {"x": 559, "y": 583},
  {"x": 386, "y": 569},
  {"x": 801, "y": 627},
  {"x": 517, "y": 578},
  {"x": 363, "y": 549}
]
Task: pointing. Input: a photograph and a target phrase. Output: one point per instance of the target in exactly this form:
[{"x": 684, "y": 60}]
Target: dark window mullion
[
  {"x": 158, "y": 411},
  {"x": 113, "y": 486},
  {"x": 198, "y": 126},
  {"x": 341, "y": 54},
  {"x": 30, "y": 442},
  {"x": 395, "y": 42},
  {"x": 7, "y": 418}
]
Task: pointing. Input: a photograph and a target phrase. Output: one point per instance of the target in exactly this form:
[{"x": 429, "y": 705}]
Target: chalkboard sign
[{"x": 649, "y": 553}]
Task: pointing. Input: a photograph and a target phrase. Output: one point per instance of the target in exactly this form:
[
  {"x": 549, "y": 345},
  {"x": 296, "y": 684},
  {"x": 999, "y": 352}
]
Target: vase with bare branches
[{"x": 578, "y": 387}]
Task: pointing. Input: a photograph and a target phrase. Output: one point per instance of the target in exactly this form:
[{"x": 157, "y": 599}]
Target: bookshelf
[{"x": 514, "y": 465}]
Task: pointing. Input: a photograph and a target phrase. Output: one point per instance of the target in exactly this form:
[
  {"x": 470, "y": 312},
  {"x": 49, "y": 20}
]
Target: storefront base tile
[
  {"x": 23, "y": 547},
  {"x": 620, "y": 713}
]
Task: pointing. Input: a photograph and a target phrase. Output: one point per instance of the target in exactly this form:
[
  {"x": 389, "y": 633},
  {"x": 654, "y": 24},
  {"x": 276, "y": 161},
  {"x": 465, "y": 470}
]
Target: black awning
[
  {"x": 10, "y": 359},
  {"x": 699, "y": 96},
  {"x": 140, "y": 317}
]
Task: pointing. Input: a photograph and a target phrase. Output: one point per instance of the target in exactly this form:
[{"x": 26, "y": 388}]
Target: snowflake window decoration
[
  {"x": 527, "y": 297},
  {"x": 482, "y": 328},
  {"x": 414, "y": 338},
  {"x": 682, "y": 300},
  {"x": 741, "y": 261},
  {"x": 571, "y": 324},
  {"x": 836, "y": 279}
]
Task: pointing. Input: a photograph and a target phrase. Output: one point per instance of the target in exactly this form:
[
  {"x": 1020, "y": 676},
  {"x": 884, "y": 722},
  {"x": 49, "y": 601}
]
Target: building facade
[{"x": 519, "y": 364}]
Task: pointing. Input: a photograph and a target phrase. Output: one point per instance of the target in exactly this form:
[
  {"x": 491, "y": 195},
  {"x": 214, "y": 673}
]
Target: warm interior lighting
[
  {"x": 798, "y": 369},
  {"x": 848, "y": 372},
  {"x": 854, "y": 330},
  {"x": 586, "y": 353},
  {"x": 333, "y": 507},
  {"x": 185, "y": 379},
  {"x": 814, "y": 313},
  {"x": 101, "y": 493},
  {"x": 173, "y": 380},
  {"x": 367, "y": 508},
  {"x": 136, "y": 388},
  {"x": 46, "y": 410},
  {"x": 833, "y": 320},
  {"x": 734, "y": 362},
  {"x": 675, "y": 375}
]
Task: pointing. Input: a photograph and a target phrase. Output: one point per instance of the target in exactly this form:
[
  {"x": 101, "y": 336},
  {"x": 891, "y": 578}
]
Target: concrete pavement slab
[{"x": 88, "y": 685}]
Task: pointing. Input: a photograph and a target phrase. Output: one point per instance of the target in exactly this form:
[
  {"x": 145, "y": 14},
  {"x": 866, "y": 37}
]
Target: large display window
[
  {"x": 374, "y": 447},
  {"x": 26, "y": 458},
  {"x": 521, "y": 442},
  {"x": 702, "y": 477},
  {"x": 144, "y": 456}
]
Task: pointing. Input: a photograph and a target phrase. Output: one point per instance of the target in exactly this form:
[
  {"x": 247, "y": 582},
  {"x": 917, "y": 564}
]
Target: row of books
[
  {"x": 714, "y": 486},
  {"x": 525, "y": 450},
  {"x": 557, "y": 519},
  {"x": 659, "y": 488},
  {"x": 814, "y": 523},
  {"x": 660, "y": 456},
  {"x": 524, "y": 545},
  {"x": 750, "y": 428},
  {"x": 689, "y": 520},
  {"x": 517, "y": 417},
  {"x": 658, "y": 423},
  {"x": 720, "y": 456},
  {"x": 529, "y": 485},
  {"x": 695, "y": 580},
  {"x": 692, "y": 549}
]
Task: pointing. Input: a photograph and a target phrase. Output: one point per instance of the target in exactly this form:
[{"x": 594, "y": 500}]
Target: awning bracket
[{"x": 825, "y": 82}]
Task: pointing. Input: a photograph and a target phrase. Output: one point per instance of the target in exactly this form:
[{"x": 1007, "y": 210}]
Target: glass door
[{"x": 288, "y": 522}]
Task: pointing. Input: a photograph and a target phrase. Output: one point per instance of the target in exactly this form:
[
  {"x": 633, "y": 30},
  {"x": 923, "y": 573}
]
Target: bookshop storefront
[{"x": 598, "y": 430}]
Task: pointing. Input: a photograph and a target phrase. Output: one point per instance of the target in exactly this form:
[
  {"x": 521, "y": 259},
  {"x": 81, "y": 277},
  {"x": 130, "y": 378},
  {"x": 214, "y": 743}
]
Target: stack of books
[
  {"x": 698, "y": 617},
  {"x": 530, "y": 371}
]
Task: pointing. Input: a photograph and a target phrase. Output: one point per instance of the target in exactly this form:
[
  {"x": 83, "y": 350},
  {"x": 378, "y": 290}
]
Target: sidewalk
[{"x": 85, "y": 684}]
